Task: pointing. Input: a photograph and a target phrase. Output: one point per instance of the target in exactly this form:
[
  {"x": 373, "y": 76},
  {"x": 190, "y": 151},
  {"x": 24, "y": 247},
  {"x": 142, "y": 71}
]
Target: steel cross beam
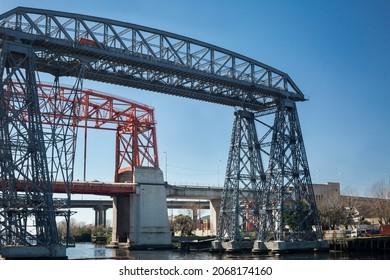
[{"x": 137, "y": 56}]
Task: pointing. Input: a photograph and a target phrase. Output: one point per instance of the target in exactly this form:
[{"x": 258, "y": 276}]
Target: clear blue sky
[{"x": 337, "y": 52}]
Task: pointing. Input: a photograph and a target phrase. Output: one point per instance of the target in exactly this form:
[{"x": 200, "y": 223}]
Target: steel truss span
[
  {"x": 258, "y": 199},
  {"x": 136, "y": 56}
]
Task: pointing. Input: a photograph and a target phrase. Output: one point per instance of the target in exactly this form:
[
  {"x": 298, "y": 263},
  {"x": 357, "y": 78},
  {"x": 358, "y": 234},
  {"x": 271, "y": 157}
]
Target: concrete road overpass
[
  {"x": 101, "y": 206},
  {"x": 193, "y": 192},
  {"x": 207, "y": 197},
  {"x": 172, "y": 204}
]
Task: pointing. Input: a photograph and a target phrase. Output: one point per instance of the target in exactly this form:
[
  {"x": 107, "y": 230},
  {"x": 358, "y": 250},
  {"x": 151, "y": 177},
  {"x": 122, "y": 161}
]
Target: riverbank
[{"x": 361, "y": 244}]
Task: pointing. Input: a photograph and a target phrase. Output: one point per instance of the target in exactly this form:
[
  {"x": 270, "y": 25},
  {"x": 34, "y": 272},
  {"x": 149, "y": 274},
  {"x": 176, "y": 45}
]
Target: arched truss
[
  {"x": 136, "y": 56},
  {"x": 133, "y": 122}
]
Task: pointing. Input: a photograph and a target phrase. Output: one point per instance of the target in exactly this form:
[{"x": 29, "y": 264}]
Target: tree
[
  {"x": 100, "y": 231},
  {"x": 331, "y": 211},
  {"x": 381, "y": 207},
  {"x": 74, "y": 228},
  {"x": 351, "y": 204},
  {"x": 79, "y": 229},
  {"x": 182, "y": 224},
  {"x": 336, "y": 210},
  {"x": 193, "y": 210}
]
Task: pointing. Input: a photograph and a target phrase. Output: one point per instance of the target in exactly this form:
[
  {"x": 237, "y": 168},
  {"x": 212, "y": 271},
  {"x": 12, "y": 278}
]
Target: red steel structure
[
  {"x": 97, "y": 188},
  {"x": 133, "y": 122}
]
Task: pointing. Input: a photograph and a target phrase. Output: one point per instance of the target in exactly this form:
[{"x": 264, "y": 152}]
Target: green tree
[
  {"x": 76, "y": 229},
  {"x": 182, "y": 224},
  {"x": 100, "y": 231},
  {"x": 298, "y": 216}
]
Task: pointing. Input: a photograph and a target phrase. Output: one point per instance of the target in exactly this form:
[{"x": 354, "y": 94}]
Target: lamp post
[
  {"x": 218, "y": 171},
  {"x": 166, "y": 166}
]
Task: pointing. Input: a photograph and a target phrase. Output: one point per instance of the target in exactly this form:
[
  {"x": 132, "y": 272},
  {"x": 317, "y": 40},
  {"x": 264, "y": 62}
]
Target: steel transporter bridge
[{"x": 267, "y": 196}]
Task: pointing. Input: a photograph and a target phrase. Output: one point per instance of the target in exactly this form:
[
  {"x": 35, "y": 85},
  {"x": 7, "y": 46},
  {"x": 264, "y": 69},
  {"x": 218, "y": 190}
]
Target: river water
[{"x": 92, "y": 251}]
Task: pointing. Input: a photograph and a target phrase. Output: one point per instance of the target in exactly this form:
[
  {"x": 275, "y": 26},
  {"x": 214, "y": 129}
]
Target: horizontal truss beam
[{"x": 132, "y": 55}]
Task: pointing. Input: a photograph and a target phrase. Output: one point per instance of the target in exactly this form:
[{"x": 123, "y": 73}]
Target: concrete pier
[
  {"x": 143, "y": 216},
  {"x": 53, "y": 252},
  {"x": 289, "y": 246},
  {"x": 121, "y": 220},
  {"x": 215, "y": 205},
  {"x": 231, "y": 246},
  {"x": 270, "y": 246}
]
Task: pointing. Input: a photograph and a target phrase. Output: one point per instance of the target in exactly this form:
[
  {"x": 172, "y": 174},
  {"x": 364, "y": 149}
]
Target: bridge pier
[
  {"x": 100, "y": 216},
  {"x": 215, "y": 205},
  {"x": 121, "y": 219},
  {"x": 141, "y": 220}
]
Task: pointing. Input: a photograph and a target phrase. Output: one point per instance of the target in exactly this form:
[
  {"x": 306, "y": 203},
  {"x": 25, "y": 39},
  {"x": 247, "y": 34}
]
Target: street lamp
[
  {"x": 218, "y": 171},
  {"x": 166, "y": 166}
]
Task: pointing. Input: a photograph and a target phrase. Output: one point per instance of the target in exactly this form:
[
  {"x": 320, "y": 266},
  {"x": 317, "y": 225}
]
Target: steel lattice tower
[
  {"x": 288, "y": 210},
  {"x": 23, "y": 156},
  {"x": 277, "y": 204},
  {"x": 244, "y": 181}
]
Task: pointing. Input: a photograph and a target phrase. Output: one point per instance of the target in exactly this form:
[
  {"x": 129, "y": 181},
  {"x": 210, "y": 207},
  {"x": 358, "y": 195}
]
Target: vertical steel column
[
  {"x": 8, "y": 194},
  {"x": 243, "y": 182},
  {"x": 289, "y": 211},
  {"x": 27, "y": 219}
]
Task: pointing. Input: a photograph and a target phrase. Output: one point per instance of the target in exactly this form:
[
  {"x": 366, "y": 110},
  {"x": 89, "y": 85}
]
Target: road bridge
[
  {"x": 85, "y": 187},
  {"x": 172, "y": 204},
  {"x": 101, "y": 206},
  {"x": 34, "y": 41},
  {"x": 180, "y": 197}
]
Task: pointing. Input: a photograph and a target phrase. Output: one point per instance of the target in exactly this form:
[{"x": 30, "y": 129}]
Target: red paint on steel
[{"x": 134, "y": 123}]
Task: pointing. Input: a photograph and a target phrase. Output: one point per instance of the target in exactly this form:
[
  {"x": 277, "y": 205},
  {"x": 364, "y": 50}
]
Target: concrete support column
[
  {"x": 149, "y": 225},
  {"x": 100, "y": 216},
  {"x": 194, "y": 218},
  {"x": 141, "y": 219},
  {"x": 215, "y": 205},
  {"x": 121, "y": 219}
]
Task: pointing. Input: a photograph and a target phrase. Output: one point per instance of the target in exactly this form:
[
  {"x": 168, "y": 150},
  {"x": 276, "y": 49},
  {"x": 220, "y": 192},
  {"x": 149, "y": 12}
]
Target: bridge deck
[{"x": 97, "y": 188}]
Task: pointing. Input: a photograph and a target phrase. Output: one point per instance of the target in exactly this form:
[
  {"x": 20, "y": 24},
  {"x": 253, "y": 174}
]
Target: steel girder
[{"x": 147, "y": 58}]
